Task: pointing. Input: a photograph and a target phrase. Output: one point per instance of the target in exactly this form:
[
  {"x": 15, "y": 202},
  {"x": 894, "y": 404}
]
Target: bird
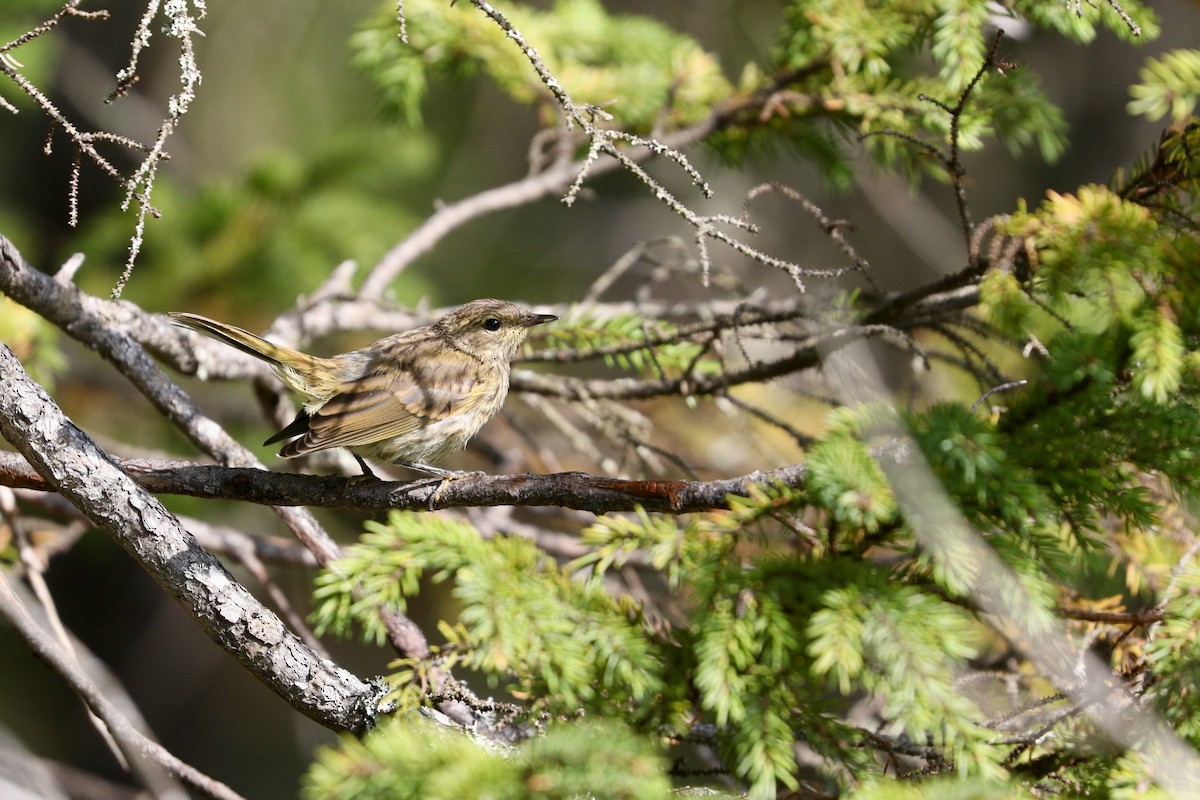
[{"x": 408, "y": 399}]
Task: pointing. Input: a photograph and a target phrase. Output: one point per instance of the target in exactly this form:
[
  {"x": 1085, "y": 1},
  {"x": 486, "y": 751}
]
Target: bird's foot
[
  {"x": 446, "y": 475},
  {"x": 449, "y": 474}
]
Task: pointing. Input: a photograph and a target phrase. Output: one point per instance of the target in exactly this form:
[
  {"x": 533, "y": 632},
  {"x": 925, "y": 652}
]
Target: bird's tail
[{"x": 304, "y": 374}]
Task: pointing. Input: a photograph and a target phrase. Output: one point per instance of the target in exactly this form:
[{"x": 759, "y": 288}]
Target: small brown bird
[{"x": 407, "y": 399}]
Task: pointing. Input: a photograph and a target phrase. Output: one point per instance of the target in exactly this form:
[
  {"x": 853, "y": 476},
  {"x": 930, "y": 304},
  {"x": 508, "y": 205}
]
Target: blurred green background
[{"x": 286, "y": 166}]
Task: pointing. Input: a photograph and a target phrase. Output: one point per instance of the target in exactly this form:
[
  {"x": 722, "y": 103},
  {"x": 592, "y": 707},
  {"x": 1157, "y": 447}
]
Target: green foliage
[
  {"x": 746, "y": 648},
  {"x": 845, "y": 479},
  {"x": 764, "y": 638},
  {"x": 33, "y": 340},
  {"x": 993, "y": 485},
  {"x": 862, "y": 68},
  {"x": 597, "y": 57},
  {"x": 622, "y": 342},
  {"x": 1005, "y": 304},
  {"x": 1086, "y": 246},
  {"x": 614, "y": 539},
  {"x": 276, "y": 230},
  {"x": 1106, "y": 268},
  {"x": 905, "y": 646},
  {"x": 874, "y": 81},
  {"x": 413, "y": 758},
  {"x": 565, "y": 641},
  {"x": 1087, "y": 462},
  {"x": 1170, "y": 85},
  {"x": 1157, "y": 346}
]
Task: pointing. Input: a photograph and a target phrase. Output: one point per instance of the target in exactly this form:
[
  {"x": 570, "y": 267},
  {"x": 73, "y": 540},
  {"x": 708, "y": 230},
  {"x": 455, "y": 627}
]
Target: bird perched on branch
[{"x": 407, "y": 399}]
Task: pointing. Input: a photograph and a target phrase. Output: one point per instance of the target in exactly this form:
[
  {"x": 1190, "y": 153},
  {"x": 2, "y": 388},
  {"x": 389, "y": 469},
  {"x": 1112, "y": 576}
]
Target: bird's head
[{"x": 492, "y": 330}]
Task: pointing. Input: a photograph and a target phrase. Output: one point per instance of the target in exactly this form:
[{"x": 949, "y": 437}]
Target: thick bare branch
[{"x": 574, "y": 490}]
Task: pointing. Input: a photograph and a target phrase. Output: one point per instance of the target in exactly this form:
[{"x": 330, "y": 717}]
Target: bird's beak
[{"x": 536, "y": 319}]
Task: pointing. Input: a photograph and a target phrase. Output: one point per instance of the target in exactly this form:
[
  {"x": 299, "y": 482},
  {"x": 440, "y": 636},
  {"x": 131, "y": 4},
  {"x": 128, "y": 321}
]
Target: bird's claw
[{"x": 447, "y": 477}]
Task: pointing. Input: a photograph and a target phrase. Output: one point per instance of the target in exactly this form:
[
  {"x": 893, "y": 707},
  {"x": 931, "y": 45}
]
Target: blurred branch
[
  {"x": 35, "y": 564},
  {"x": 161, "y": 783},
  {"x": 77, "y": 469},
  {"x": 132, "y": 739},
  {"x": 574, "y": 490},
  {"x": 213, "y": 538}
]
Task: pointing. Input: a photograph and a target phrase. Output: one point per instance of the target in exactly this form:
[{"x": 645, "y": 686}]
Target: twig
[
  {"x": 802, "y": 439},
  {"x": 1004, "y": 387},
  {"x": 832, "y": 228},
  {"x": 555, "y": 179}
]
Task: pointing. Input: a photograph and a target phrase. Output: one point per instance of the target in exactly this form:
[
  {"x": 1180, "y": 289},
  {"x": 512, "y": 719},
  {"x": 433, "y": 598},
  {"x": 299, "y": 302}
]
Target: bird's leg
[{"x": 367, "y": 474}]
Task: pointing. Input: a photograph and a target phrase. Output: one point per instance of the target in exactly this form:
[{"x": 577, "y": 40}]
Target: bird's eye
[{"x": 491, "y": 324}]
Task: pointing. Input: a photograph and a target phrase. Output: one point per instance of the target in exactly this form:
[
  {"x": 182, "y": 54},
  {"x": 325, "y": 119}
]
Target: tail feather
[
  {"x": 305, "y": 374},
  {"x": 235, "y": 337}
]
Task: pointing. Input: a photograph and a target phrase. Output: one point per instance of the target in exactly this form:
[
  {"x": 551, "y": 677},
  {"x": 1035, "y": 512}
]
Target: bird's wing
[{"x": 391, "y": 403}]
